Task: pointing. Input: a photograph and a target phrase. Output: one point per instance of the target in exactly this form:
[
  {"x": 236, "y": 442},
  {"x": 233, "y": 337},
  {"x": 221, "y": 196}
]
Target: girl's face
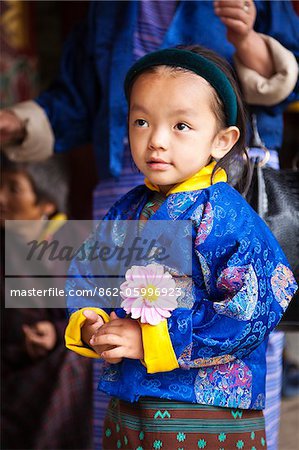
[
  {"x": 172, "y": 128},
  {"x": 18, "y": 199}
]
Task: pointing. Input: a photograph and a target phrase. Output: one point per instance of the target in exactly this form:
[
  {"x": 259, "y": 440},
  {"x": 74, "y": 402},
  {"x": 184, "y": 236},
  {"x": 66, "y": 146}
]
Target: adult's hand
[
  {"x": 251, "y": 49},
  {"x": 239, "y": 18},
  {"x": 40, "y": 338},
  {"x": 12, "y": 128}
]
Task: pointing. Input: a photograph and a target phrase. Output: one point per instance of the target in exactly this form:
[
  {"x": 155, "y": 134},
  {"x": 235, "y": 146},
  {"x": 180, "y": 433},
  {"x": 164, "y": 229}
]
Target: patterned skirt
[{"x": 156, "y": 424}]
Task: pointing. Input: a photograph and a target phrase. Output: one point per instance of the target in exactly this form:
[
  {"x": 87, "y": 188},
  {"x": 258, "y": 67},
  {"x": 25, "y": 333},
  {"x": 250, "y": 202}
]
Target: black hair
[
  {"x": 236, "y": 161},
  {"x": 48, "y": 178}
]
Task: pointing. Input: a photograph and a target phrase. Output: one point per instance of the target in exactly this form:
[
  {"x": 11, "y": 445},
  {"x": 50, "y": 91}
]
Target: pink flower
[{"x": 149, "y": 293}]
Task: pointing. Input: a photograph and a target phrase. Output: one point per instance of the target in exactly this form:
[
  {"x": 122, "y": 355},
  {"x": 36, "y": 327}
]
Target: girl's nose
[{"x": 159, "y": 139}]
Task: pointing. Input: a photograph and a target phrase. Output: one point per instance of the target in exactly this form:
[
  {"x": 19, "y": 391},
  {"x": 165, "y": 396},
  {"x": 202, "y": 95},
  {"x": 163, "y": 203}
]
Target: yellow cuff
[
  {"x": 159, "y": 355},
  {"x": 73, "y": 339}
]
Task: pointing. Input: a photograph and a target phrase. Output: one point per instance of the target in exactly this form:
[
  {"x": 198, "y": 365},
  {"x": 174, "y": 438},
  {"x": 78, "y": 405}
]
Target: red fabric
[
  {"x": 296, "y": 6},
  {"x": 18, "y": 66}
]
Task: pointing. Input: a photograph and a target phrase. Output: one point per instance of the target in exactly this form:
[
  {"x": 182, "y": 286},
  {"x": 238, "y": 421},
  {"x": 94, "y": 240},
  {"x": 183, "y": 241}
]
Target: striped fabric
[
  {"x": 100, "y": 403},
  {"x": 154, "y": 19},
  {"x": 153, "y": 423},
  {"x": 273, "y": 388}
]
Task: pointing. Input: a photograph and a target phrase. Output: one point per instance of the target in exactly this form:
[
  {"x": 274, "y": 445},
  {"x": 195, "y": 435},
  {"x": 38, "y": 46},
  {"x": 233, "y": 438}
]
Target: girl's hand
[
  {"x": 40, "y": 338},
  {"x": 91, "y": 325},
  {"x": 125, "y": 337},
  {"x": 238, "y": 16}
]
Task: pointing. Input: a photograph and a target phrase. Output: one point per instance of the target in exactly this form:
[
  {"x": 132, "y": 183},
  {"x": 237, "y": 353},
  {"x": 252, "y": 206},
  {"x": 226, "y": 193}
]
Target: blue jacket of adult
[{"x": 87, "y": 103}]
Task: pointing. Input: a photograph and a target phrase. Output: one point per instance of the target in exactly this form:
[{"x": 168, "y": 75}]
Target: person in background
[
  {"x": 46, "y": 397},
  {"x": 87, "y": 103}
]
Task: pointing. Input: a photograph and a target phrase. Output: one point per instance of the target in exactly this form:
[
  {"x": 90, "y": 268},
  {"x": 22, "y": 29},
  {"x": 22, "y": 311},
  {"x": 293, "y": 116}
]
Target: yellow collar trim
[
  {"x": 53, "y": 225},
  {"x": 201, "y": 180}
]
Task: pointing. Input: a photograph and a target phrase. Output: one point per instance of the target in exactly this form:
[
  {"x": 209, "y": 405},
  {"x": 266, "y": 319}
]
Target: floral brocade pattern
[
  {"x": 283, "y": 282},
  {"x": 186, "y": 362},
  {"x": 206, "y": 272},
  {"x": 227, "y": 385},
  {"x": 241, "y": 288},
  {"x": 206, "y": 224},
  {"x": 178, "y": 204}
]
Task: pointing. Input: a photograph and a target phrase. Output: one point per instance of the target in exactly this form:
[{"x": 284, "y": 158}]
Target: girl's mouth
[{"x": 158, "y": 164}]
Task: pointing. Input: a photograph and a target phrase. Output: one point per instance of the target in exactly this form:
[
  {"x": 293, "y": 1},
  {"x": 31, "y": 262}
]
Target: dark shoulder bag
[{"x": 274, "y": 194}]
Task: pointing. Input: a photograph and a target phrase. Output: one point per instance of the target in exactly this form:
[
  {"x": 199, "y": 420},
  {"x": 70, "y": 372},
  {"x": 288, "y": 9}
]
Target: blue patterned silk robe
[{"x": 212, "y": 351}]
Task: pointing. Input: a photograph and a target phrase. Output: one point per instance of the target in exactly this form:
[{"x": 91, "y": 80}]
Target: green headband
[{"x": 195, "y": 63}]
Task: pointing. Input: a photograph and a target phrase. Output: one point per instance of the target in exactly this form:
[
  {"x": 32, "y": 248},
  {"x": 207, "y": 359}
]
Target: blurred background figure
[{"x": 46, "y": 392}]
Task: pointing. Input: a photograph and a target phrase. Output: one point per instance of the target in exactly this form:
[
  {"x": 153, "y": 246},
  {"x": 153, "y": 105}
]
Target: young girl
[{"x": 196, "y": 379}]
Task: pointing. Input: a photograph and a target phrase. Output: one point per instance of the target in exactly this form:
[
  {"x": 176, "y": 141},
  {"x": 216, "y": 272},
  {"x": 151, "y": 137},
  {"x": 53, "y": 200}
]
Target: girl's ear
[{"x": 224, "y": 141}]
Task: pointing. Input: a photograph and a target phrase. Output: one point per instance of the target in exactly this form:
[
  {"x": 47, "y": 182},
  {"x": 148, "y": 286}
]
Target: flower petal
[{"x": 149, "y": 310}]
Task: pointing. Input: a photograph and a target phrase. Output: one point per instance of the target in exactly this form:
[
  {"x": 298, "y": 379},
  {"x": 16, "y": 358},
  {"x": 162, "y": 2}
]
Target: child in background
[
  {"x": 45, "y": 390},
  {"x": 197, "y": 378}
]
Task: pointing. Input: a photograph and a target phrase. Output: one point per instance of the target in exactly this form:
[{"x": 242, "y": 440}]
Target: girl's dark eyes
[
  {"x": 182, "y": 126},
  {"x": 141, "y": 123}
]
